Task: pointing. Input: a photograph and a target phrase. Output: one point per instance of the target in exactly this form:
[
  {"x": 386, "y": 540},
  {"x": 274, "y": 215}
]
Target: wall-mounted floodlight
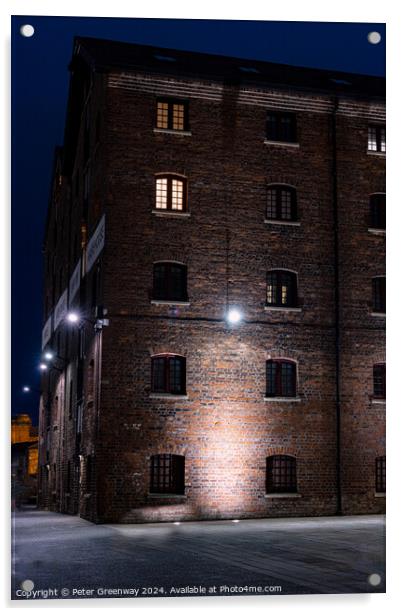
[
  {"x": 48, "y": 355},
  {"x": 73, "y": 317},
  {"x": 43, "y": 367},
  {"x": 234, "y": 316}
]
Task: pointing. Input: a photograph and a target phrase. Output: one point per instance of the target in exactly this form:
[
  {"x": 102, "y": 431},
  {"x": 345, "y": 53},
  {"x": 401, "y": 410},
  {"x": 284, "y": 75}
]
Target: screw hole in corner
[
  {"x": 374, "y": 38},
  {"x": 27, "y": 30}
]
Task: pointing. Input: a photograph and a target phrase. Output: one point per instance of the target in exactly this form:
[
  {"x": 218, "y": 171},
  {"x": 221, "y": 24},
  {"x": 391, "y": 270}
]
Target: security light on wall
[{"x": 234, "y": 316}]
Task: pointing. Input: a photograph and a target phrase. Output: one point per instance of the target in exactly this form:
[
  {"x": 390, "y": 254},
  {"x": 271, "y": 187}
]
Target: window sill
[
  {"x": 282, "y": 309},
  {"x": 171, "y": 131},
  {"x": 178, "y": 214},
  {"x": 283, "y": 495},
  {"x": 286, "y": 144},
  {"x": 167, "y": 302},
  {"x": 379, "y": 495},
  {"x": 378, "y": 314},
  {"x": 286, "y": 223},
  {"x": 169, "y": 396},
  {"x": 376, "y": 231},
  {"x": 280, "y": 399},
  {"x": 378, "y": 401},
  {"x": 156, "y": 495},
  {"x": 373, "y": 153}
]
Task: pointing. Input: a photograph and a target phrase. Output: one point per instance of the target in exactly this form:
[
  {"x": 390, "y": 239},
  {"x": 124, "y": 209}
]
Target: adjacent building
[
  {"x": 24, "y": 460},
  {"x": 214, "y": 290}
]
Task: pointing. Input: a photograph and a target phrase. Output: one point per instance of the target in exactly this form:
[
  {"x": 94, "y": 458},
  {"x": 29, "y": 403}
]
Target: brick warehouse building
[{"x": 216, "y": 229}]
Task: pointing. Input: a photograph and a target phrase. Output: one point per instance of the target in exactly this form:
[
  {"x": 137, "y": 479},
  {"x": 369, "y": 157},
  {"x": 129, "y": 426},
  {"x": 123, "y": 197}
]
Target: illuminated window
[
  {"x": 380, "y": 474},
  {"x": 281, "y": 288},
  {"x": 167, "y": 474},
  {"x": 172, "y": 115},
  {"x": 379, "y": 381},
  {"x": 281, "y": 474},
  {"x": 169, "y": 374},
  {"x": 377, "y": 211},
  {"x": 171, "y": 193},
  {"x": 281, "y": 203},
  {"x": 170, "y": 282},
  {"x": 281, "y": 127},
  {"x": 281, "y": 378},
  {"x": 376, "y": 139},
  {"x": 379, "y": 294}
]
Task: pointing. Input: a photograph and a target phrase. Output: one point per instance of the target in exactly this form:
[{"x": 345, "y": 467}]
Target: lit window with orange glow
[
  {"x": 172, "y": 115},
  {"x": 171, "y": 193}
]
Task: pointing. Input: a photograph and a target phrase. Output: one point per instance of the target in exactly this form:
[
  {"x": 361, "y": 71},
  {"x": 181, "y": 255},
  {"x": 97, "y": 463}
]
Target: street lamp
[{"x": 43, "y": 367}]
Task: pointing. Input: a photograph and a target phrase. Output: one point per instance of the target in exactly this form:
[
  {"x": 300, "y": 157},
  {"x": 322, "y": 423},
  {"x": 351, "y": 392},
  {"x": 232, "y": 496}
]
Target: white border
[{"x": 309, "y": 10}]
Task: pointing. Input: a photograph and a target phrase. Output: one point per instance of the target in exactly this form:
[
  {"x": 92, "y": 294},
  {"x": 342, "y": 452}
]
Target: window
[
  {"x": 281, "y": 127},
  {"x": 281, "y": 474},
  {"x": 172, "y": 115},
  {"x": 377, "y": 211},
  {"x": 380, "y": 474},
  {"x": 169, "y": 374},
  {"x": 167, "y": 474},
  {"x": 171, "y": 193},
  {"x": 281, "y": 288},
  {"x": 170, "y": 282},
  {"x": 281, "y": 378},
  {"x": 379, "y": 381},
  {"x": 281, "y": 203},
  {"x": 376, "y": 139},
  {"x": 379, "y": 295}
]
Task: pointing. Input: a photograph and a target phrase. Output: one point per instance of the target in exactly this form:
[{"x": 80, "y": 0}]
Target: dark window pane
[
  {"x": 170, "y": 282},
  {"x": 177, "y": 375},
  {"x": 380, "y": 474},
  {"x": 379, "y": 294},
  {"x": 281, "y": 474},
  {"x": 377, "y": 211},
  {"x": 379, "y": 381},
  {"x": 281, "y": 378},
  {"x": 167, "y": 474},
  {"x": 281, "y": 127},
  {"x": 158, "y": 374},
  {"x": 271, "y": 378}
]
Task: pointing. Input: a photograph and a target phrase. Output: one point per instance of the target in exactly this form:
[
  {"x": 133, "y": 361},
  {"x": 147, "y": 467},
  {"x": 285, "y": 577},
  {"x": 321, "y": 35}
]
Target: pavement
[{"x": 56, "y": 556}]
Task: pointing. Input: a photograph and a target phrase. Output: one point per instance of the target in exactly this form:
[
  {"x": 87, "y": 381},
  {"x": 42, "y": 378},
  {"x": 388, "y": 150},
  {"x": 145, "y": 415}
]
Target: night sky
[{"x": 39, "y": 92}]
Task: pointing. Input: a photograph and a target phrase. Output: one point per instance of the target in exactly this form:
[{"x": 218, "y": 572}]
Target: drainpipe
[{"x": 337, "y": 327}]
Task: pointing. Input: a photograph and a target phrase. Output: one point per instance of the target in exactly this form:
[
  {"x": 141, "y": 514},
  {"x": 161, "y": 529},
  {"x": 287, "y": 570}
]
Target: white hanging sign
[{"x": 96, "y": 244}]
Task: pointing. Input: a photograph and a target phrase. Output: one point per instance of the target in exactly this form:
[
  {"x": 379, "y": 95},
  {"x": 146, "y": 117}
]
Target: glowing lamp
[
  {"x": 73, "y": 317},
  {"x": 234, "y": 316},
  {"x": 48, "y": 355},
  {"x": 43, "y": 367},
  {"x": 26, "y": 389}
]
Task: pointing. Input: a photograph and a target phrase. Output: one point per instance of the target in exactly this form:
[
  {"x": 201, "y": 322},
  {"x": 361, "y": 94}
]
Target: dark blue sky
[{"x": 39, "y": 92}]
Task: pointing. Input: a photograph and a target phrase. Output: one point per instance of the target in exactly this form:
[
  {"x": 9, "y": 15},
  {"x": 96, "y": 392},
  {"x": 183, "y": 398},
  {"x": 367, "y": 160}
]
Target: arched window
[
  {"x": 377, "y": 211},
  {"x": 167, "y": 474},
  {"x": 281, "y": 203},
  {"x": 281, "y": 378},
  {"x": 380, "y": 474},
  {"x": 281, "y": 474},
  {"x": 379, "y": 381},
  {"x": 171, "y": 193},
  {"x": 379, "y": 294},
  {"x": 170, "y": 282},
  {"x": 281, "y": 288},
  {"x": 168, "y": 374}
]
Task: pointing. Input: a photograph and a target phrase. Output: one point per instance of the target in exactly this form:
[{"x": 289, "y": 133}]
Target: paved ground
[{"x": 299, "y": 555}]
